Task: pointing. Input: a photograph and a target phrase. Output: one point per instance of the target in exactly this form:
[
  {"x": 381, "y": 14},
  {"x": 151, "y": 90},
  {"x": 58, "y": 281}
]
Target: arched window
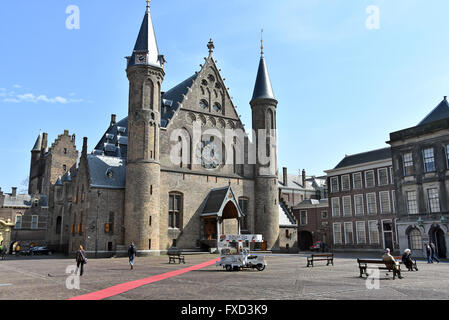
[
  {"x": 175, "y": 207},
  {"x": 58, "y": 225},
  {"x": 415, "y": 239},
  {"x": 243, "y": 204}
]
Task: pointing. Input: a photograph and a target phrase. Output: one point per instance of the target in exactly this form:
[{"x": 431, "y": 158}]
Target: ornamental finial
[
  {"x": 211, "y": 46},
  {"x": 148, "y": 4},
  {"x": 261, "y": 42}
]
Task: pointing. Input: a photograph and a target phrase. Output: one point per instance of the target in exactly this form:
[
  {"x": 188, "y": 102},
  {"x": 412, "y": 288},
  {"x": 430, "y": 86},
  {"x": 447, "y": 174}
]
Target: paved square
[{"x": 285, "y": 278}]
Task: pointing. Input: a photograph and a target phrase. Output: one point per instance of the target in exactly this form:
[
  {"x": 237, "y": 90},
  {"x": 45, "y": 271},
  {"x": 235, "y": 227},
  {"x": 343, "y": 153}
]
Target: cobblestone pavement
[{"x": 286, "y": 278}]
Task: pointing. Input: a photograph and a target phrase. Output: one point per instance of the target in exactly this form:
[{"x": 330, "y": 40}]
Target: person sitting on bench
[
  {"x": 390, "y": 261},
  {"x": 408, "y": 261}
]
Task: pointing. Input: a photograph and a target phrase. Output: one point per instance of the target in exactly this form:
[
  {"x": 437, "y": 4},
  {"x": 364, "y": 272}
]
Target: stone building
[
  {"x": 152, "y": 179},
  {"x": 420, "y": 165},
  {"x": 362, "y": 202},
  {"x": 24, "y": 217},
  {"x": 313, "y": 223}
]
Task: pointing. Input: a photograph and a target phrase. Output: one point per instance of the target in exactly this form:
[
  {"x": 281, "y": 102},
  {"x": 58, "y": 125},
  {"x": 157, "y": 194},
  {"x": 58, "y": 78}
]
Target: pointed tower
[
  {"x": 263, "y": 105},
  {"x": 35, "y": 166},
  {"x": 145, "y": 70}
]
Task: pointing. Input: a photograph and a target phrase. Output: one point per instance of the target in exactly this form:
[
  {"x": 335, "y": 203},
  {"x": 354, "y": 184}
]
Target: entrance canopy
[{"x": 222, "y": 203}]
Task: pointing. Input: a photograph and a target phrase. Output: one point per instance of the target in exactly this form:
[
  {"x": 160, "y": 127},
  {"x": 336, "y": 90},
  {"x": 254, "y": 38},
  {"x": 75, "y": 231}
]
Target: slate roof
[
  {"x": 19, "y": 201},
  {"x": 100, "y": 166},
  {"x": 38, "y": 144},
  {"x": 440, "y": 112},
  {"x": 295, "y": 182},
  {"x": 360, "y": 158},
  {"x": 215, "y": 200},
  {"x": 285, "y": 218},
  {"x": 263, "y": 88}
]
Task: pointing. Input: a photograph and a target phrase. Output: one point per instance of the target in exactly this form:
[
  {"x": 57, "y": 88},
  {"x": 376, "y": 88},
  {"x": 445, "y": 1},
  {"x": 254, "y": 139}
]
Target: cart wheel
[
  {"x": 228, "y": 268},
  {"x": 260, "y": 267}
]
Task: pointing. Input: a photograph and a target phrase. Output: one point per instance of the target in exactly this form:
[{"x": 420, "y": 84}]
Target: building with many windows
[
  {"x": 361, "y": 202},
  {"x": 421, "y": 170}
]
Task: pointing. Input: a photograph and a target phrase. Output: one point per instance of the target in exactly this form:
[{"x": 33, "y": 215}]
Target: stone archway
[
  {"x": 305, "y": 240},
  {"x": 438, "y": 237}
]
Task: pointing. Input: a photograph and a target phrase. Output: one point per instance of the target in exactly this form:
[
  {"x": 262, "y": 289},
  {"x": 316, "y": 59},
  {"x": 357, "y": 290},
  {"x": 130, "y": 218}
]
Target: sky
[{"x": 345, "y": 76}]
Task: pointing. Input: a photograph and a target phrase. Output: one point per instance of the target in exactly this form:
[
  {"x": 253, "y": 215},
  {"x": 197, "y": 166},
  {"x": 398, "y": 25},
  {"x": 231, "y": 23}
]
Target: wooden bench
[
  {"x": 329, "y": 257},
  {"x": 175, "y": 255},
  {"x": 381, "y": 265}
]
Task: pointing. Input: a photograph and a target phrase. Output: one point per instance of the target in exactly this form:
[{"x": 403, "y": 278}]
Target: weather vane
[{"x": 148, "y": 3}]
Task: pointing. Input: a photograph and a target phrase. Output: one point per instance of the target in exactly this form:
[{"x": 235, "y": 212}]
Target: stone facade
[{"x": 421, "y": 171}]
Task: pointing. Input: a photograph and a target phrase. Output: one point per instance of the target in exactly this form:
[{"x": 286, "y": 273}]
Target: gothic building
[{"x": 152, "y": 179}]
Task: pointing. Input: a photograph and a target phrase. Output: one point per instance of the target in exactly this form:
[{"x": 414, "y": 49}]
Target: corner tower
[
  {"x": 145, "y": 71},
  {"x": 263, "y": 106}
]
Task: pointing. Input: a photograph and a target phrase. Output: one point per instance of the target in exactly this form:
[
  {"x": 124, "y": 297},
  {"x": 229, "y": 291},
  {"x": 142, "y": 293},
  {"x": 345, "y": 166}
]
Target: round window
[
  {"x": 217, "y": 107},
  {"x": 203, "y": 104}
]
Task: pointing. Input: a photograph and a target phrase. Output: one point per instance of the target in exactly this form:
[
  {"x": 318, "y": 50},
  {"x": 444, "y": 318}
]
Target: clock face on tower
[
  {"x": 209, "y": 154},
  {"x": 141, "y": 58}
]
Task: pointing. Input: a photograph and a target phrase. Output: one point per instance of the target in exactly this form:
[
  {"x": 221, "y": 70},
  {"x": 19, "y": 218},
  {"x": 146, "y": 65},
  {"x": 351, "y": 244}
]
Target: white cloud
[
  {"x": 17, "y": 86},
  {"x": 32, "y": 98}
]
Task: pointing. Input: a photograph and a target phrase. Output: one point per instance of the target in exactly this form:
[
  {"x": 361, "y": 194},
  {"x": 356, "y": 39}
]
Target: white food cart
[{"x": 235, "y": 253}]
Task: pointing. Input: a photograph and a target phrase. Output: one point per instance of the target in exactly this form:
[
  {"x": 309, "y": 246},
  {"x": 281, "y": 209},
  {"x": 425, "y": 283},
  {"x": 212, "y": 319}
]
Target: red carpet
[{"x": 127, "y": 286}]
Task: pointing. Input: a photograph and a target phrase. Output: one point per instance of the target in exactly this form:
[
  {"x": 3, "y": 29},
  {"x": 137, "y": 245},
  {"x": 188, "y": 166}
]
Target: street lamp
[
  {"x": 96, "y": 223},
  {"x": 420, "y": 221}
]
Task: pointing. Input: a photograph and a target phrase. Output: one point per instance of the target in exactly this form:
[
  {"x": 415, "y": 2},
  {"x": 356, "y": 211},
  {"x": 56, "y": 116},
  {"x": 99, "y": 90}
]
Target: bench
[
  {"x": 381, "y": 265},
  {"x": 175, "y": 255},
  {"x": 329, "y": 257}
]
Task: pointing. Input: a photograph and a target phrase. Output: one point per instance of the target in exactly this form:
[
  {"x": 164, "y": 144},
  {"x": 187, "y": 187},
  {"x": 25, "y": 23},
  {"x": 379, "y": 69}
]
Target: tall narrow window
[
  {"x": 345, "y": 183},
  {"x": 335, "y": 207},
  {"x": 337, "y": 233},
  {"x": 334, "y": 184},
  {"x": 18, "y": 221},
  {"x": 369, "y": 179},
  {"x": 384, "y": 198},
  {"x": 383, "y": 176},
  {"x": 412, "y": 202},
  {"x": 175, "y": 211},
  {"x": 429, "y": 160},
  {"x": 373, "y": 232},
  {"x": 434, "y": 200},
  {"x": 111, "y": 222},
  {"x": 371, "y": 204},
  {"x": 34, "y": 221},
  {"x": 303, "y": 218},
  {"x": 243, "y": 203},
  {"x": 361, "y": 232},
  {"x": 415, "y": 239},
  {"x": 358, "y": 205},
  {"x": 409, "y": 168},
  {"x": 357, "y": 180},
  {"x": 347, "y": 206},
  {"x": 349, "y": 233}
]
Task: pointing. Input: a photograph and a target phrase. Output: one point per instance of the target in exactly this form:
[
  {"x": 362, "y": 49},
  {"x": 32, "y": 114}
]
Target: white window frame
[
  {"x": 429, "y": 200},
  {"x": 378, "y": 176},
  {"x": 333, "y": 207},
  {"x": 376, "y": 224},
  {"x": 352, "y": 232},
  {"x": 357, "y": 213},
  {"x": 34, "y": 224},
  {"x": 20, "y": 221},
  {"x": 348, "y": 184},
  {"x": 374, "y": 179},
  {"x": 406, "y": 174},
  {"x": 357, "y": 223},
  {"x": 353, "y": 180},
  {"x": 343, "y": 200},
  {"x": 424, "y": 160},
  {"x": 380, "y": 202},
  {"x": 407, "y": 200},
  {"x": 368, "y": 212},
  {"x": 337, "y": 224},
  {"x": 301, "y": 220},
  {"x": 337, "y": 189}
]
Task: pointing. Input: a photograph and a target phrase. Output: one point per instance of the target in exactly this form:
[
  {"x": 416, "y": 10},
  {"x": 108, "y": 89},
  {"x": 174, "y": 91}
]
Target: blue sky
[{"x": 342, "y": 88}]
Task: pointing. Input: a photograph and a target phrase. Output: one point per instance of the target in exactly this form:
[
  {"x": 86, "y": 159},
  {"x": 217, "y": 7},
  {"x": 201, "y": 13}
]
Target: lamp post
[{"x": 96, "y": 223}]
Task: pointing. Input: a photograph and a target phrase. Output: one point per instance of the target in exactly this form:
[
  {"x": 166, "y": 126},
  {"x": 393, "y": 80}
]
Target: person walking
[
  {"x": 433, "y": 252},
  {"x": 81, "y": 260},
  {"x": 390, "y": 261},
  {"x": 429, "y": 253},
  {"x": 132, "y": 251}
]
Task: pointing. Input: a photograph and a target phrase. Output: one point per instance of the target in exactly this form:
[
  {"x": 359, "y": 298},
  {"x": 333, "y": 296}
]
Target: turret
[
  {"x": 142, "y": 200},
  {"x": 35, "y": 165},
  {"x": 263, "y": 106}
]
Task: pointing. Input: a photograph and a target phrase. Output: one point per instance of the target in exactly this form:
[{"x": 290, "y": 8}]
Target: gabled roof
[
  {"x": 263, "y": 88},
  {"x": 107, "y": 172},
  {"x": 360, "y": 158},
  {"x": 285, "y": 218},
  {"x": 216, "y": 201},
  {"x": 440, "y": 112}
]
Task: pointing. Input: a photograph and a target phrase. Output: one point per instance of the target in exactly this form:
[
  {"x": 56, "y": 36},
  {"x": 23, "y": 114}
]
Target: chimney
[
  {"x": 14, "y": 191},
  {"x": 303, "y": 177},
  {"x": 44, "y": 141},
  {"x": 113, "y": 119},
  {"x": 84, "y": 152},
  {"x": 284, "y": 177}
]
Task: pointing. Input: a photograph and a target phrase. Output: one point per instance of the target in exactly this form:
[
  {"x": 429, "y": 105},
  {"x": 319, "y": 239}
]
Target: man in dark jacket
[
  {"x": 433, "y": 252},
  {"x": 132, "y": 251},
  {"x": 81, "y": 260}
]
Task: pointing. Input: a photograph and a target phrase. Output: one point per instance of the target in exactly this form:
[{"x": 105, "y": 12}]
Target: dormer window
[{"x": 110, "y": 173}]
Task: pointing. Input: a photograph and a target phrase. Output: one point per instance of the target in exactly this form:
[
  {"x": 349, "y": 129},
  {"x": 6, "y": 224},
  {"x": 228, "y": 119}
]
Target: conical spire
[
  {"x": 38, "y": 144},
  {"x": 263, "y": 88},
  {"x": 145, "y": 50}
]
